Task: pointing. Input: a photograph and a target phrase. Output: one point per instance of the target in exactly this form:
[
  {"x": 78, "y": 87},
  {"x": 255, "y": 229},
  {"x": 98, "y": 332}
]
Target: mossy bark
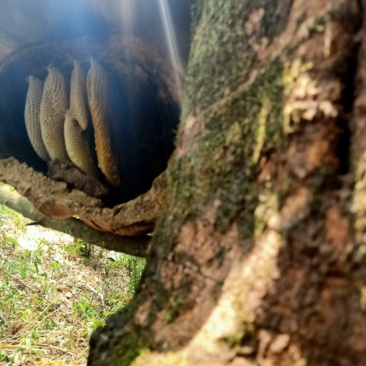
[{"x": 257, "y": 258}]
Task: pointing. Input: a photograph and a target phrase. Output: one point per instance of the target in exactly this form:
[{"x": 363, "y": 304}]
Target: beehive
[
  {"x": 77, "y": 146},
  {"x": 32, "y": 116},
  {"x": 97, "y": 91},
  {"x": 52, "y": 114},
  {"x": 78, "y": 96}
]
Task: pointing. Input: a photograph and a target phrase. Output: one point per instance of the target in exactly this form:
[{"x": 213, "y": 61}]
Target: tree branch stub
[{"x": 132, "y": 245}]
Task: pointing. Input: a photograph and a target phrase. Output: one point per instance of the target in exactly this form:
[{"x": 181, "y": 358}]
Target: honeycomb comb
[
  {"x": 32, "y": 116},
  {"x": 78, "y": 96},
  {"x": 77, "y": 145},
  {"x": 97, "y": 90},
  {"x": 52, "y": 114}
]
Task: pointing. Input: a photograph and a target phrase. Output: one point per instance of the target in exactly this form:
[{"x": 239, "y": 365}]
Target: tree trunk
[{"x": 259, "y": 257}]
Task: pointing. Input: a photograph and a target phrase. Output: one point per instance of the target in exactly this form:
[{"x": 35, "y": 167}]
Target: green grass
[{"x": 52, "y": 296}]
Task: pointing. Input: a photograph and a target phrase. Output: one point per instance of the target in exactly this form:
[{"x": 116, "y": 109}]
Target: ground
[{"x": 52, "y": 296}]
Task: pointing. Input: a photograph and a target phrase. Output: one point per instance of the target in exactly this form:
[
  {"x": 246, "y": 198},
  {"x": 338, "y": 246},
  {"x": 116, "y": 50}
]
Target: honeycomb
[
  {"x": 77, "y": 145},
  {"x": 52, "y": 114},
  {"x": 97, "y": 91},
  {"x": 59, "y": 133},
  {"x": 31, "y": 116},
  {"x": 78, "y": 96}
]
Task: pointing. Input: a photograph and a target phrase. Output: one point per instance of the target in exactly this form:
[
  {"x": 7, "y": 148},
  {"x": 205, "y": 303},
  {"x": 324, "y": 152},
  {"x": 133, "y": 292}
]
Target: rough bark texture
[
  {"x": 56, "y": 200},
  {"x": 259, "y": 257}
]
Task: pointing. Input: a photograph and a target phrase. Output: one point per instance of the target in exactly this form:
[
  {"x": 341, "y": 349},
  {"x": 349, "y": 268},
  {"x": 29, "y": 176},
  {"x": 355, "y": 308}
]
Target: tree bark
[
  {"x": 258, "y": 257},
  {"x": 132, "y": 245},
  {"x": 56, "y": 200}
]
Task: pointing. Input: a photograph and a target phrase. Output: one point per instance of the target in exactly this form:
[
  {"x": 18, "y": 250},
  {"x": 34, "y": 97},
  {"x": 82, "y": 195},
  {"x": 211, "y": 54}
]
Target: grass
[{"x": 52, "y": 296}]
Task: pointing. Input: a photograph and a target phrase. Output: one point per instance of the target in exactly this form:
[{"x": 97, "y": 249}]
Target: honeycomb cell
[
  {"x": 98, "y": 99},
  {"x": 77, "y": 146},
  {"x": 78, "y": 96},
  {"x": 52, "y": 114},
  {"x": 32, "y": 116}
]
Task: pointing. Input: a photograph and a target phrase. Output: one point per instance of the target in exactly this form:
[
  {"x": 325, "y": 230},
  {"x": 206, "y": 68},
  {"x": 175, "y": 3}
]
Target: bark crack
[{"x": 348, "y": 80}]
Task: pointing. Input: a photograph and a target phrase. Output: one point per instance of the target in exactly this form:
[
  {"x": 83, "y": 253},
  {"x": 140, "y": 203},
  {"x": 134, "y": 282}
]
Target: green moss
[
  {"x": 226, "y": 44},
  {"x": 244, "y": 337},
  {"x": 236, "y": 133},
  {"x": 220, "y": 36},
  {"x": 173, "y": 308},
  {"x": 136, "y": 342},
  {"x": 222, "y": 163},
  {"x": 197, "y": 9},
  {"x": 130, "y": 347}
]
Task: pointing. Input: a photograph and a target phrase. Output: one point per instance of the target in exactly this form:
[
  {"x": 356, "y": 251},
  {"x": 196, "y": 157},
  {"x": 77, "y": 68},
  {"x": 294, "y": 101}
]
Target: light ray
[{"x": 172, "y": 45}]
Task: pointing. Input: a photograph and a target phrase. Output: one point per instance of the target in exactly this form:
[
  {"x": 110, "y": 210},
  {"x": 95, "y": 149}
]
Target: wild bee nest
[{"x": 85, "y": 129}]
